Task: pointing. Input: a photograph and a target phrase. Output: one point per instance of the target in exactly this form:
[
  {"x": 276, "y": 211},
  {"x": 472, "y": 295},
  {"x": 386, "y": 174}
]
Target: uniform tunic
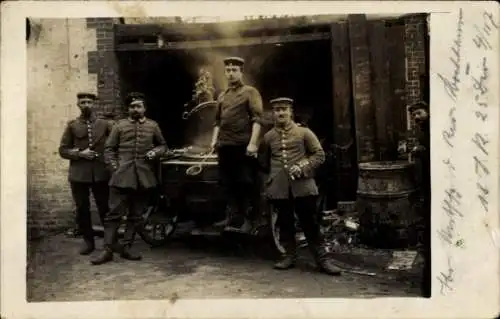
[
  {"x": 238, "y": 108},
  {"x": 78, "y": 135},
  {"x": 283, "y": 148},
  {"x": 126, "y": 150}
]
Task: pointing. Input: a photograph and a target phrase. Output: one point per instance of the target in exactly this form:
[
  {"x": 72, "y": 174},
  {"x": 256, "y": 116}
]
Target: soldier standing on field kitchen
[
  {"x": 130, "y": 150},
  {"x": 291, "y": 154},
  {"x": 82, "y": 143},
  {"x": 236, "y": 134}
]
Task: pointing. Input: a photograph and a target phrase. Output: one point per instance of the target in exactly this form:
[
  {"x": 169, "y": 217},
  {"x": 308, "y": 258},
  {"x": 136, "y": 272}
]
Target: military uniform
[
  {"x": 86, "y": 175},
  {"x": 285, "y": 147},
  {"x": 424, "y": 176},
  {"x": 132, "y": 181},
  {"x": 238, "y": 108}
]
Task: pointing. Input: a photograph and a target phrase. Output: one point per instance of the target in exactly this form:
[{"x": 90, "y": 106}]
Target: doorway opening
[{"x": 300, "y": 70}]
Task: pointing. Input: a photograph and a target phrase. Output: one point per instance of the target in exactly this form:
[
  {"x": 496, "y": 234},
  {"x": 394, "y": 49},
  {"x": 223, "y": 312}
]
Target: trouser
[
  {"x": 239, "y": 177},
  {"x": 425, "y": 231},
  {"x": 126, "y": 204},
  {"x": 305, "y": 210},
  {"x": 426, "y": 247},
  {"x": 81, "y": 197}
]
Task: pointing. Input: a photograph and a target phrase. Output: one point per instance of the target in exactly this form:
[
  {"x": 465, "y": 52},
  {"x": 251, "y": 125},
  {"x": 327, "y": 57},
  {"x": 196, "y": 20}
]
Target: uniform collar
[
  {"x": 234, "y": 86},
  {"x": 286, "y": 128},
  {"x": 91, "y": 118},
  {"x": 141, "y": 120}
]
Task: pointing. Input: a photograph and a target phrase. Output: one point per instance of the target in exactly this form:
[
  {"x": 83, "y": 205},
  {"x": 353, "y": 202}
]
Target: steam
[{"x": 211, "y": 60}]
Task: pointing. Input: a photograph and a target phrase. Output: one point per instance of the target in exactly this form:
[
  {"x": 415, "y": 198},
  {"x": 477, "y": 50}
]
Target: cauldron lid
[{"x": 385, "y": 165}]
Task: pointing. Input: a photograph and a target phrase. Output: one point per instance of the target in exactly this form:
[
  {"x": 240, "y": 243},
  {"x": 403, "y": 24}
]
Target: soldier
[
  {"x": 82, "y": 143},
  {"x": 420, "y": 112},
  {"x": 130, "y": 149},
  {"x": 236, "y": 134},
  {"x": 292, "y": 154}
]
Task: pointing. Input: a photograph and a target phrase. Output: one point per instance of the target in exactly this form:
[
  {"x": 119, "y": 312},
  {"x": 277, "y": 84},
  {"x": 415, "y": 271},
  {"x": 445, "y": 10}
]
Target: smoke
[{"x": 200, "y": 124}]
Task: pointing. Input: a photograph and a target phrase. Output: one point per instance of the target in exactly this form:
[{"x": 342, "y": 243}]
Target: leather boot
[
  {"x": 104, "y": 257},
  {"x": 325, "y": 263},
  {"x": 128, "y": 240},
  {"x": 225, "y": 221},
  {"x": 110, "y": 238},
  {"x": 286, "y": 262},
  {"x": 128, "y": 255},
  {"x": 289, "y": 259},
  {"x": 88, "y": 246}
]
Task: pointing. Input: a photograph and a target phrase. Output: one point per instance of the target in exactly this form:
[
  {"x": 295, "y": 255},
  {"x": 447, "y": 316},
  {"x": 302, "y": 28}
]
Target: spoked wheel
[
  {"x": 158, "y": 224},
  {"x": 275, "y": 231}
]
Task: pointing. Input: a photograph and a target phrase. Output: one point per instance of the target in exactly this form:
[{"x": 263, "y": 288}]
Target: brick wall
[
  {"x": 415, "y": 52},
  {"x": 57, "y": 69},
  {"x": 104, "y": 64}
]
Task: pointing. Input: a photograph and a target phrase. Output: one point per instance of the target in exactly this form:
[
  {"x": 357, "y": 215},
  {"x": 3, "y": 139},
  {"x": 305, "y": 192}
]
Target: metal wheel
[
  {"x": 158, "y": 224},
  {"x": 275, "y": 231}
]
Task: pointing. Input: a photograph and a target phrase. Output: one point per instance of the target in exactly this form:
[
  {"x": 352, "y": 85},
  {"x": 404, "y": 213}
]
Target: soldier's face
[
  {"x": 86, "y": 105},
  {"x": 233, "y": 73},
  {"x": 282, "y": 113},
  {"x": 420, "y": 115},
  {"x": 137, "y": 109}
]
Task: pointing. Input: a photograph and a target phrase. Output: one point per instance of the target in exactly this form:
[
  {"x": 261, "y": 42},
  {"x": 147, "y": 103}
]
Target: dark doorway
[{"x": 300, "y": 70}]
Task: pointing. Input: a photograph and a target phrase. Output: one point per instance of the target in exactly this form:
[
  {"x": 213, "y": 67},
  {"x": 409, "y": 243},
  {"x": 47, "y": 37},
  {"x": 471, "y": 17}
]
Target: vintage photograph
[{"x": 202, "y": 157}]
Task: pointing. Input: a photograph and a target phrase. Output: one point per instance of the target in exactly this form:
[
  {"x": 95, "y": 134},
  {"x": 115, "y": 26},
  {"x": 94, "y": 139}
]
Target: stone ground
[{"x": 196, "y": 268}]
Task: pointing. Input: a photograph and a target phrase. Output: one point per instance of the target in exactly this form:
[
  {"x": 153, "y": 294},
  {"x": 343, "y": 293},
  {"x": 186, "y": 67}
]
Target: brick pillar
[
  {"x": 415, "y": 39},
  {"x": 364, "y": 113},
  {"x": 104, "y": 63}
]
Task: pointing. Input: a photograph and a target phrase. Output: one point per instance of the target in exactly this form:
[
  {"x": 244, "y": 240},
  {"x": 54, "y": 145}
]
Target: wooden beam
[
  {"x": 343, "y": 138},
  {"x": 380, "y": 87},
  {"x": 187, "y": 29},
  {"x": 397, "y": 78},
  {"x": 184, "y": 45},
  {"x": 361, "y": 82}
]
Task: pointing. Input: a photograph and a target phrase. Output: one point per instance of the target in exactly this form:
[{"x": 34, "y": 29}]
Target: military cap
[
  {"x": 234, "y": 61},
  {"x": 134, "y": 96},
  {"x": 85, "y": 95},
  {"x": 418, "y": 105},
  {"x": 282, "y": 100}
]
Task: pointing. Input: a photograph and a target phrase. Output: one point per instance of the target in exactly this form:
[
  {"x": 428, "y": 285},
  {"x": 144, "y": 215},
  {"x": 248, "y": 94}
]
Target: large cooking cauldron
[{"x": 195, "y": 196}]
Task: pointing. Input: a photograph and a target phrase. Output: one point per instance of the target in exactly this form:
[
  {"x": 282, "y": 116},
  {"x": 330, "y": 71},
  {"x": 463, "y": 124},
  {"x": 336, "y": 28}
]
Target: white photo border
[{"x": 475, "y": 269}]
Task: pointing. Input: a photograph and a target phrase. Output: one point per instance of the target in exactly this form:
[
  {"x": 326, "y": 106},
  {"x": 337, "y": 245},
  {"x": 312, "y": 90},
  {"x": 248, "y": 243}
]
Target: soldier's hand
[
  {"x": 88, "y": 154},
  {"x": 295, "y": 172},
  {"x": 151, "y": 154},
  {"x": 418, "y": 148},
  {"x": 252, "y": 150}
]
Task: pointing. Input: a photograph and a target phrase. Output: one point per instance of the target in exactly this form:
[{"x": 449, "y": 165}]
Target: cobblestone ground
[{"x": 200, "y": 268}]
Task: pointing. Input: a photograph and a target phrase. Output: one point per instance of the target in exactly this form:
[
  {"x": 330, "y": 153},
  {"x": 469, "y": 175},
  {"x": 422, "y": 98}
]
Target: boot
[
  {"x": 247, "y": 226},
  {"x": 126, "y": 254},
  {"x": 110, "y": 237},
  {"x": 88, "y": 247},
  {"x": 289, "y": 259},
  {"x": 105, "y": 257},
  {"x": 286, "y": 262},
  {"x": 226, "y": 220},
  {"x": 325, "y": 263},
  {"x": 128, "y": 240},
  {"x": 236, "y": 222}
]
